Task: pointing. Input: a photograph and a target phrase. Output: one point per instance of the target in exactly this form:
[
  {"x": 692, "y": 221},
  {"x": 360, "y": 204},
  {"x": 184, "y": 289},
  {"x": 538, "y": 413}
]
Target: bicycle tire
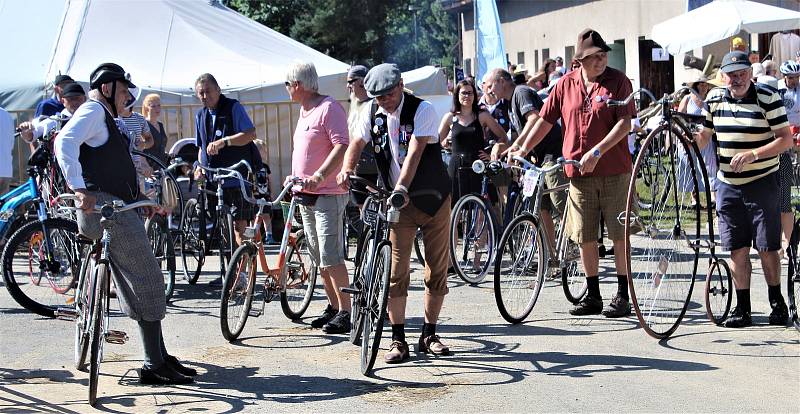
[
  {"x": 662, "y": 274},
  {"x": 193, "y": 249},
  {"x": 99, "y": 306},
  {"x": 472, "y": 222},
  {"x": 573, "y": 280},
  {"x": 793, "y": 277},
  {"x": 419, "y": 248},
  {"x": 163, "y": 250},
  {"x": 718, "y": 291},
  {"x": 377, "y": 298},
  {"x": 519, "y": 269},
  {"x": 42, "y": 291},
  {"x": 358, "y": 299},
  {"x": 84, "y": 312},
  {"x": 242, "y": 272},
  {"x": 225, "y": 240},
  {"x": 296, "y": 293}
]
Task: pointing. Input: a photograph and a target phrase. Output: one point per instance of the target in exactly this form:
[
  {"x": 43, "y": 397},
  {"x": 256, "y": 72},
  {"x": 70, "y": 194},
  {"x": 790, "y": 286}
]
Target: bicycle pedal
[
  {"x": 254, "y": 313},
  {"x": 350, "y": 291},
  {"x": 66, "y": 314},
  {"x": 116, "y": 337}
]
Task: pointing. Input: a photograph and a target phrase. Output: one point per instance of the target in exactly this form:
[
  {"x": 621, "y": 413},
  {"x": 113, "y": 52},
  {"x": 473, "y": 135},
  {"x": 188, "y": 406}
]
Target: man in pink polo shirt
[
  {"x": 594, "y": 133},
  {"x": 320, "y": 141}
]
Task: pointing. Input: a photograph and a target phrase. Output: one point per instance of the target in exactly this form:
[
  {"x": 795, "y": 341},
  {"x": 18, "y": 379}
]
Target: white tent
[{"x": 720, "y": 20}]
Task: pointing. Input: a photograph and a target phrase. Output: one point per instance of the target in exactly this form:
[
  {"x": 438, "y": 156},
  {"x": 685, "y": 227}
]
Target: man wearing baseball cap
[
  {"x": 403, "y": 132},
  {"x": 752, "y": 131},
  {"x": 72, "y": 97},
  {"x": 595, "y": 134},
  {"x": 94, "y": 157},
  {"x": 53, "y": 105}
]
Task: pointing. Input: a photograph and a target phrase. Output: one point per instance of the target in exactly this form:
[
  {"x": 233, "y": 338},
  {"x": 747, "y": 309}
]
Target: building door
[{"x": 657, "y": 75}]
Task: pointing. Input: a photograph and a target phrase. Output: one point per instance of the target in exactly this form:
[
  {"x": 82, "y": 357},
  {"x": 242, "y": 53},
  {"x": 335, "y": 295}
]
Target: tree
[
  {"x": 436, "y": 36},
  {"x": 278, "y": 15}
]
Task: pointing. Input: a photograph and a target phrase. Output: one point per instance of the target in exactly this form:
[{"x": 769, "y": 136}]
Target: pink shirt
[{"x": 318, "y": 130}]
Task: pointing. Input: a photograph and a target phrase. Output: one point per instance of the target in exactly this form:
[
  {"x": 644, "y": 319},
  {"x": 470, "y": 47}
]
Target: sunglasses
[
  {"x": 352, "y": 81},
  {"x": 287, "y": 83}
]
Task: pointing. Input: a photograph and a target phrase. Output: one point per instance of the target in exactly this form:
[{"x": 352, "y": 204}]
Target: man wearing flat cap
[
  {"x": 359, "y": 99},
  {"x": 594, "y": 133},
  {"x": 94, "y": 157},
  {"x": 402, "y": 129},
  {"x": 53, "y": 105},
  {"x": 752, "y": 131}
]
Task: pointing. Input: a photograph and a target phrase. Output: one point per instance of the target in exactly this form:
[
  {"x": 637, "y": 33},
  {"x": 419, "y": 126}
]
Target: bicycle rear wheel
[
  {"x": 718, "y": 291},
  {"x": 573, "y": 280},
  {"x": 35, "y": 276},
  {"x": 83, "y": 309},
  {"x": 237, "y": 292},
  {"x": 375, "y": 311},
  {"x": 359, "y": 298},
  {"x": 473, "y": 237},
  {"x": 299, "y": 277},
  {"x": 99, "y": 307},
  {"x": 225, "y": 241},
  {"x": 519, "y": 269},
  {"x": 163, "y": 250},
  {"x": 663, "y": 261},
  {"x": 419, "y": 248},
  {"x": 193, "y": 248}
]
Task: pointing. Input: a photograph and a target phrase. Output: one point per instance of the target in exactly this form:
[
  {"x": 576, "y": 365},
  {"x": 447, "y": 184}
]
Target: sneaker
[
  {"x": 397, "y": 353},
  {"x": 163, "y": 375},
  {"x": 432, "y": 344},
  {"x": 779, "y": 315},
  {"x": 588, "y": 306},
  {"x": 326, "y": 317},
  {"x": 339, "y": 324},
  {"x": 618, "y": 307},
  {"x": 738, "y": 319}
]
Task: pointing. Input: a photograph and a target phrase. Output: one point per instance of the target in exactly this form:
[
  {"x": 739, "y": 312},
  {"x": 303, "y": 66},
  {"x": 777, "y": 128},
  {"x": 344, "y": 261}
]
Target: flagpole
[{"x": 475, "y": 30}]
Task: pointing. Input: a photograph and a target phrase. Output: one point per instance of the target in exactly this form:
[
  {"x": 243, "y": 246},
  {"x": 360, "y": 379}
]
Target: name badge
[{"x": 529, "y": 182}]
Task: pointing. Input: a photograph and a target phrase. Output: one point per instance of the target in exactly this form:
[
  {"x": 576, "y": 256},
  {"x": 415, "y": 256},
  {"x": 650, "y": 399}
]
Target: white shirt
[
  {"x": 42, "y": 126},
  {"x": 87, "y": 126},
  {"x": 6, "y": 144},
  {"x": 425, "y": 126},
  {"x": 791, "y": 101}
]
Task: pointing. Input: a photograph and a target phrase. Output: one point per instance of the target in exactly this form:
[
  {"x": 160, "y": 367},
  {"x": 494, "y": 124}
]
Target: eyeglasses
[
  {"x": 465, "y": 93},
  {"x": 287, "y": 83},
  {"x": 352, "y": 81}
]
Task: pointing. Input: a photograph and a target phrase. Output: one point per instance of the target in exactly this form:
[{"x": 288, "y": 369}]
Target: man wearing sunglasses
[{"x": 403, "y": 131}]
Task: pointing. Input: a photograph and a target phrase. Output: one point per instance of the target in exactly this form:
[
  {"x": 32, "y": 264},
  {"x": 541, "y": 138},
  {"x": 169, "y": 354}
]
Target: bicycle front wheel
[
  {"x": 193, "y": 248},
  {"x": 573, "y": 280},
  {"x": 237, "y": 292},
  {"x": 419, "y": 248},
  {"x": 359, "y": 284},
  {"x": 375, "y": 310},
  {"x": 299, "y": 277},
  {"x": 83, "y": 309},
  {"x": 97, "y": 329},
  {"x": 519, "y": 269},
  {"x": 225, "y": 240},
  {"x": 664, "y": 254},
  {"x": 793, "y": 276},
  {"x": 473, "y": 236},
  {"x": 40, "y": 266},
  {"x": 163, "y": 250}
]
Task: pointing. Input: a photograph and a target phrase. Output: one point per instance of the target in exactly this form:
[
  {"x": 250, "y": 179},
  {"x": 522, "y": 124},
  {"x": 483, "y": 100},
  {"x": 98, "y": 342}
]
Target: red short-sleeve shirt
[{"x": 586, "y": 119}]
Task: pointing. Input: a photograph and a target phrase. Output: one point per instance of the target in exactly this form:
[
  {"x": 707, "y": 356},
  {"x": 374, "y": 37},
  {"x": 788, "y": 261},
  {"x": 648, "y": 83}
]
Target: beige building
[{"x": 535, "y": 30}]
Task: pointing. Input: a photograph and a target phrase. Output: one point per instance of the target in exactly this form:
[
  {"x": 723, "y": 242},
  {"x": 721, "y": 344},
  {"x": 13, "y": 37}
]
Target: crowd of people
[{"x": 395, "y": 138}]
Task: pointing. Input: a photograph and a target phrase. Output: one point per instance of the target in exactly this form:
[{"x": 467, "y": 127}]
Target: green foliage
[{"x": 363, "y": 31}]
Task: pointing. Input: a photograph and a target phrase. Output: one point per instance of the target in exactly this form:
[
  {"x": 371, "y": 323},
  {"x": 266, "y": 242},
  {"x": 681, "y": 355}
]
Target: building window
[
  {"x": 616, "y": 56},
  {"x": 545, "y": 54},
  {"x": 467, "y": 67},
  {"x": 535, "y": 62},
  {"x": 569, "y": 53},
  {"x": 520, "y": 57}
]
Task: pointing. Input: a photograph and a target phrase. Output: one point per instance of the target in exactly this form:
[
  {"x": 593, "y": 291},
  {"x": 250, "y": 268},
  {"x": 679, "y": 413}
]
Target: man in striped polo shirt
[{"x": 752, "y": 130}]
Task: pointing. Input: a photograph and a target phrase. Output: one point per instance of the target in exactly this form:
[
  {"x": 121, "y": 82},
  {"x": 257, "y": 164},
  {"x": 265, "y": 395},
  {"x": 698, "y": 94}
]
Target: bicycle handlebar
[
  {"x": 108, "y": 209},
  {"x": 614, "y": 102},
  {"x": 560, "y": 163}
]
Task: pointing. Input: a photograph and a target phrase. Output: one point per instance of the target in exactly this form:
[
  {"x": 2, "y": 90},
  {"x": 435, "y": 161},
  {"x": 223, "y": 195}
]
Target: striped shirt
[
  {"x": 136, "y": 125},
  {"x": 743, "y": 125}
]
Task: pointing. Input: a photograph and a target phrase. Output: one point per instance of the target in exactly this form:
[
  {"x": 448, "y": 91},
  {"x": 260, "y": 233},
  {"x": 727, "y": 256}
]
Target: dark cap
[
  {"x": 734, "y": 61},
  {"x": 62, "y": 79},
  {"x": 357, "y": 72},
  {"x": 381, "y": 79},
  {"x": 109, "y": 72},
  {"x": 73, "y": 89},
  {"x": 589, "y": 43}
]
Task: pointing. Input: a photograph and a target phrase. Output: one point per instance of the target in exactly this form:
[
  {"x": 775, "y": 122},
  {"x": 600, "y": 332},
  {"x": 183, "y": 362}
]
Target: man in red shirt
[{"x": 594, "y": 133}]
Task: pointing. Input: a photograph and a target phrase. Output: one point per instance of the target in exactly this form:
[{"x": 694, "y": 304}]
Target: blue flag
[{"x": 490, "y": 52}]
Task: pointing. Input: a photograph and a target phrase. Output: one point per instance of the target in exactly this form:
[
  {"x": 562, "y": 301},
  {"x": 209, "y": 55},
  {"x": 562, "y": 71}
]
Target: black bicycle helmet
[{"x": 109, "y": 72}]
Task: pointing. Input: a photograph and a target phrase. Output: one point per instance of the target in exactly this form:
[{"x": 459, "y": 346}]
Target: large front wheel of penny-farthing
[
  {"x": 793, "y": 276},
  {"x": 375, "y": 307},
  {"x": 237, "y": 291},
  {"x": 663, "y": 261},
  {"x": 718, "y": 291},
  {"x": 299, "y": 277},
  {"x": 473, "y": 236},
  {"x": 519, "y": 269},
  {"x": 98, "y": 327}
]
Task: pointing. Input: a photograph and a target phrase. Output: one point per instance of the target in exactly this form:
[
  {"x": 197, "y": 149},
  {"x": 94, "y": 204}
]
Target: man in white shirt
[
  {"x": 72, "y": 97},
  {"x": 6, "y": 149},
  {"x": 408, "y": 156}
]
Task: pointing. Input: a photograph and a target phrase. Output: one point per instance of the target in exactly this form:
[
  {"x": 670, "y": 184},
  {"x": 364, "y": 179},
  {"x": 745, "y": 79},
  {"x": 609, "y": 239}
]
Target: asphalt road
[{"x": 553, "y": 362}]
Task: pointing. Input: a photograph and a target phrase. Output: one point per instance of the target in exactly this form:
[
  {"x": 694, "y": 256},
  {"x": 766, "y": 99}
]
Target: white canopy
[{"x": 720, "y": 20}]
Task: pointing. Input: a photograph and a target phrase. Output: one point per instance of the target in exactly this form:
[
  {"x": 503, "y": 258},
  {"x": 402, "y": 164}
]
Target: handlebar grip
[
  {"x": 614, "y": 102},
  {"x": 397, "y": 200}
]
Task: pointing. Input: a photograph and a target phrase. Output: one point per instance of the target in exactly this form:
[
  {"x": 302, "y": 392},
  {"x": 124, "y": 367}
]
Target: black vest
[
  {"x": 109, "y": 167},
  {"x": 223, "y": 126},
  {"x": 431, "y": 172}
]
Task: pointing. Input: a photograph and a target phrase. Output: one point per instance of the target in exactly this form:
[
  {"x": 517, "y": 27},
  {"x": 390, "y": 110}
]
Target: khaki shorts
[
  {"x": 556, "y": 201},
  {"x": 322, "y": 224},
  {"x": 591, "y": 196}
]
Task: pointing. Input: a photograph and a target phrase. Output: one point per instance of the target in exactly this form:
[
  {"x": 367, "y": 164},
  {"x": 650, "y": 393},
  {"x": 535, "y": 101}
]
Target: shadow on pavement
[{"x": 21, "y": 402}]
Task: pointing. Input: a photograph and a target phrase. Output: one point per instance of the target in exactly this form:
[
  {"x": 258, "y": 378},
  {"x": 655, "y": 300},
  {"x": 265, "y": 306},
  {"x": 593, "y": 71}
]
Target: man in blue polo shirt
[{"x": 53, "y": 105}]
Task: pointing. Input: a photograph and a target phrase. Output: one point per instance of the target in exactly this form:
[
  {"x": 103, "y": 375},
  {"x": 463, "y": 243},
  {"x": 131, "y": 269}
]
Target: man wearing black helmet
[{"x": 97, "y": 166}]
